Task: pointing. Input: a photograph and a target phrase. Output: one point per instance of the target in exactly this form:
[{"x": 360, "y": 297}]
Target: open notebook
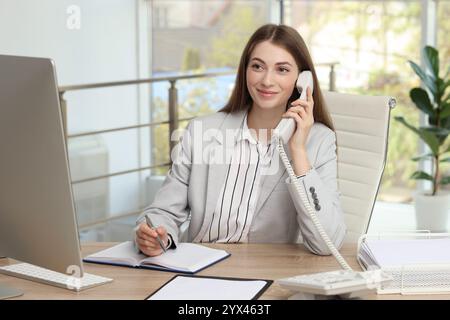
[{"x": 186, "y": 258}]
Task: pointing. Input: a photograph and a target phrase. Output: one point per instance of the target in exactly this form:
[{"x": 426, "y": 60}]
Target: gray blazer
[{"x": 192, "y": 186}]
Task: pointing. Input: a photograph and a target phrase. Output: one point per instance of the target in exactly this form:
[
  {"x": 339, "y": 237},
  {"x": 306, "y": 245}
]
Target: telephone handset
[
  {"x": 286, "y": 126},
  {"x": 343, "y": 281}
]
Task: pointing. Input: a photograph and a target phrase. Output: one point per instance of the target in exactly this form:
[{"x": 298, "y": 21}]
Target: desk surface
[{"x": 261, "y": 261}]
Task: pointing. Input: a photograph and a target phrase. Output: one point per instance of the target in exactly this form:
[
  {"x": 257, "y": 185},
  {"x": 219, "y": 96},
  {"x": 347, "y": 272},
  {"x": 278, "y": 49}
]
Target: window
[
  {"x": 196, "y": 37},
  {"x": 160, "y": 17},
  {"x": 443, "y": 45},
  {"x": 372, "y": 41}
]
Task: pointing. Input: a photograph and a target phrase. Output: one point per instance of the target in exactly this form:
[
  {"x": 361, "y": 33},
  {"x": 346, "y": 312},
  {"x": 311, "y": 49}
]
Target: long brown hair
[{"x": 289, "y": 39}]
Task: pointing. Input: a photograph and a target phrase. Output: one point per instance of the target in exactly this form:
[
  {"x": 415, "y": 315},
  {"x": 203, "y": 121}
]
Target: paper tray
[{"x": 412, "y": 278}]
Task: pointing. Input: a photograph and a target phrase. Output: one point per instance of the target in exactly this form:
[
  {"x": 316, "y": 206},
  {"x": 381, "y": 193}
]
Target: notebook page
[
  {"x": 124, "y": 251},
  {"x": 193, "y": 288},
  {"x": 188, "y": 257},
  {"x": 391, "y": 252}
]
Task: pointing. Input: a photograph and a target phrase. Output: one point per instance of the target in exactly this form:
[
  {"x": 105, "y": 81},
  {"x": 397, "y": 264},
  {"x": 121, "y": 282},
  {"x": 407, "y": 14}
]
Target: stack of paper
[{"x": 417, "y": 265}]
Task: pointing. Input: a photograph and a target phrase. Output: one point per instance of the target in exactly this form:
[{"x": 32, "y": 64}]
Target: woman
[{"x": 226, "y": 175}]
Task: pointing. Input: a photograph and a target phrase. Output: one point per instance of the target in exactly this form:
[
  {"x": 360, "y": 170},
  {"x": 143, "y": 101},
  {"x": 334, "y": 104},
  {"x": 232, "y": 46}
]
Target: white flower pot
[{"x": 432, "y": 211}]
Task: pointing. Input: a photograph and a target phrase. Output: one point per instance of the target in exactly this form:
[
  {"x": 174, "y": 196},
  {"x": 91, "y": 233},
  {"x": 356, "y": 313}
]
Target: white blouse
[{"x": 236, "y": 204}]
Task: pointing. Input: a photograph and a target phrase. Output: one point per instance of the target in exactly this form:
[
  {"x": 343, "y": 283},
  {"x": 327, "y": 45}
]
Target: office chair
[{"x": 362, "y": 129}]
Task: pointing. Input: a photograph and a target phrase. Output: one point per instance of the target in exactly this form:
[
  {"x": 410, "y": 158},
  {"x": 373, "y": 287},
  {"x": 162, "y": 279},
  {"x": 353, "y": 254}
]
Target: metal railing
[{"x": 173, "y": 121}]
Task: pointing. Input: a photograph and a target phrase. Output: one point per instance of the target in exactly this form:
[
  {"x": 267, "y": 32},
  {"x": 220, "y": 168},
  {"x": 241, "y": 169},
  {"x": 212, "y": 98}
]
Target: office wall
[{"x": 103, "y": 47}]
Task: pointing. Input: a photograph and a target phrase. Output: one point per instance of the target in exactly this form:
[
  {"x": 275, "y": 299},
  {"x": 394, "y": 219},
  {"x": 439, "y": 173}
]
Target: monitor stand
[{"x": 8, "y": 292}]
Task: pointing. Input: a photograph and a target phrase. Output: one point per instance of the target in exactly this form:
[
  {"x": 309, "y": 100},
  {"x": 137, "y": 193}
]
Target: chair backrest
[{"x": 362, "y": 129}]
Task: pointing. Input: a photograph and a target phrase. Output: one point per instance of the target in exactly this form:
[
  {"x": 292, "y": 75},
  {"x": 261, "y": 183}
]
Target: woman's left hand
[{"x": 302, "y": 112}]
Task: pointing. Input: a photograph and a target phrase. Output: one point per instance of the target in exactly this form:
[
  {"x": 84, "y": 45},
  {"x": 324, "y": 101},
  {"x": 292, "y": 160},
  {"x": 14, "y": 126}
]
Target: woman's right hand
[{"x": 147, "y": 241}]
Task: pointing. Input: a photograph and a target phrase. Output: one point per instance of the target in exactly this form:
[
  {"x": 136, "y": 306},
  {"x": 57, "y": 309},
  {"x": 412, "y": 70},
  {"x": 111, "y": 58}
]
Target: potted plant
[{"x": 432, "y": 208}]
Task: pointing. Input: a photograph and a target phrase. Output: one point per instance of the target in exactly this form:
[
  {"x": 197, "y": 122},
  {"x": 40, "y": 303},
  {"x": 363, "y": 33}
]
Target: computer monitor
[{"x": 38, "y": 222}]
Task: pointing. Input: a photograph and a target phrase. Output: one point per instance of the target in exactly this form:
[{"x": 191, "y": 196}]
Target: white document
[
  {"x": 389, "y": 252},
  {"x": 205, "y": 288}
]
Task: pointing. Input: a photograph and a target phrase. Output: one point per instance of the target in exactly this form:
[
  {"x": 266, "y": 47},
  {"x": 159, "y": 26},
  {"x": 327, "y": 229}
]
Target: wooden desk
[{"x": 262, "y": 261}]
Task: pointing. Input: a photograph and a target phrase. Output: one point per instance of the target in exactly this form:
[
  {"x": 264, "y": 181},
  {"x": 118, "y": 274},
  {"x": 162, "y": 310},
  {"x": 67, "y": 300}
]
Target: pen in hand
[{"x": 150, "y": 224}]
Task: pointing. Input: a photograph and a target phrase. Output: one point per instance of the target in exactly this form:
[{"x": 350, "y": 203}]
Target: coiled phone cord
[{"x": 340, "y": 259}]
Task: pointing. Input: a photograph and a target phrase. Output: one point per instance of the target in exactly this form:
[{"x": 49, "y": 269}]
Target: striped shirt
[{"x": 236, "y": 204}]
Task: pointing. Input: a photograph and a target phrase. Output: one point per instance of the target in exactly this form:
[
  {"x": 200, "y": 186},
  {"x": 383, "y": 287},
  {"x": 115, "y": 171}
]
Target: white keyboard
[
  {"x": 38, "y": 274},
  {"x": 336, "y": 282}
]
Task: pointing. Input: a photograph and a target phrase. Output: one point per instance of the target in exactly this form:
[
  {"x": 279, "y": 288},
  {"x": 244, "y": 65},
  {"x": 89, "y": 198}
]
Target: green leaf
[
  {"x": 445, "y": 160},
  {"x": 431, "y": 140},
  {"x": 421, "y": 175},
  {"x": 438, "y": 131},
  {"x": 445, "y": 180},
  {"x": 441, "y": 87},
  {"x": 422, "y": 156},
  {"x": 445, "y": 111},
  {"x": 432, "y": 60},
  {"x": 428, "y": 137},
  {"x": 429, "y": 82},
  {"x": 447, "y": 98},
  {"x": 422, "y": 100},
  {"x": 446, "y": 123}
]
